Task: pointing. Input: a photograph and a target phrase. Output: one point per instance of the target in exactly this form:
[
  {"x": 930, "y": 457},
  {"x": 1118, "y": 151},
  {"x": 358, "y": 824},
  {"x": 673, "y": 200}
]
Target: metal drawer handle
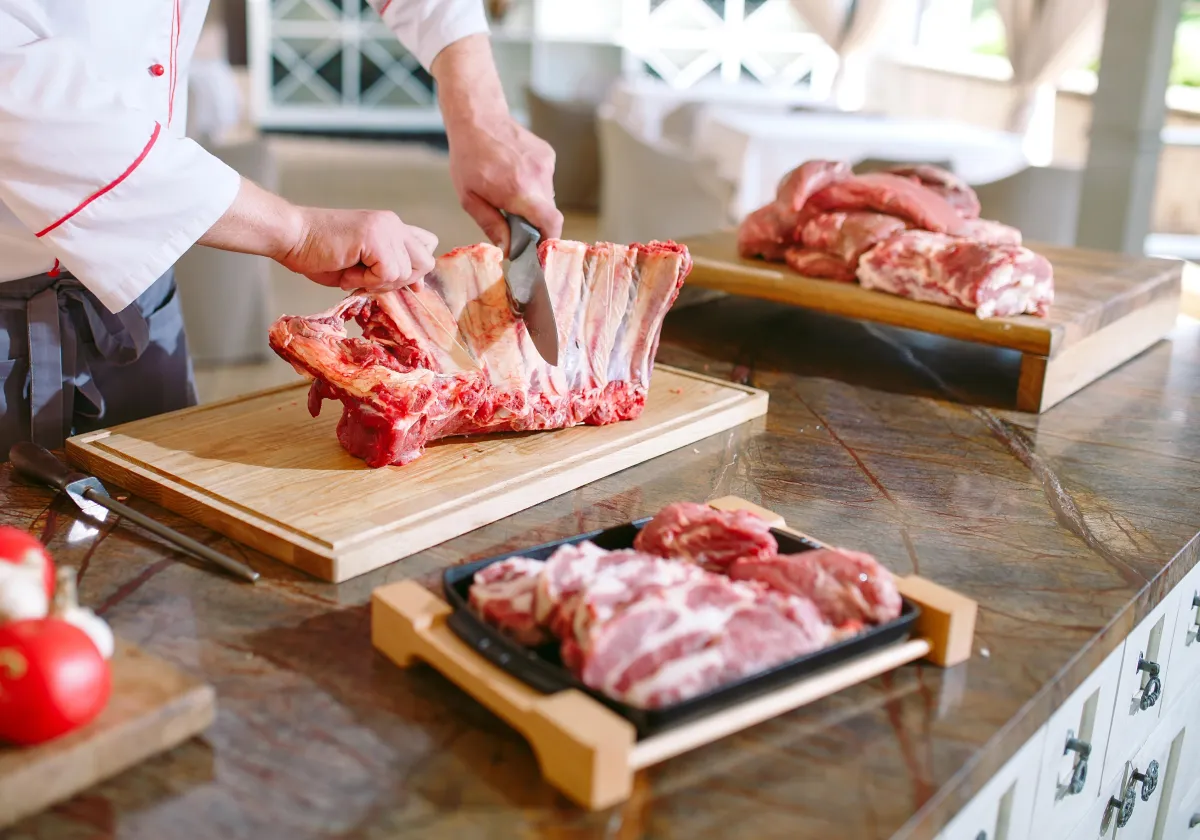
[
  {"x": 1083, "y": 750},
  {"x": 1153, "y": 689},
  {"x": 1196, "y": 603},
  {"x": 981, "y": 836},
  {"x": 1194, "y": 821},
  {"x": 1124, "y": 805},
  {"x": 1149, "y": 780}
]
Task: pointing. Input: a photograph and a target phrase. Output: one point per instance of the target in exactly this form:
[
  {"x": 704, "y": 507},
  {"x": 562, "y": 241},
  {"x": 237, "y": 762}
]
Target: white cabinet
[
  {"x": 1003, "y": 809},
  {"x": 1145, "y": 680},
  {"x": 1183, "y": 816},
  {"x": 1184, "y": 657},
  {"x": 1150, "y": 778},
  {"x": 1074, "y": 753}
]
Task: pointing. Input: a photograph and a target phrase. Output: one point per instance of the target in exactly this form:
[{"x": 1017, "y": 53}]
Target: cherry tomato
[
  {"x": 17, "y": 546},
  {"x": 52, "y": 680}
]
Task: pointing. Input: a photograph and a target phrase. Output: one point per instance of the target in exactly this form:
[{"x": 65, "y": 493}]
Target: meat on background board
[
  {"x": 703, "y": 599},
  {"x": 453, "y": 358},
  {"x": 911, "y": 231}
]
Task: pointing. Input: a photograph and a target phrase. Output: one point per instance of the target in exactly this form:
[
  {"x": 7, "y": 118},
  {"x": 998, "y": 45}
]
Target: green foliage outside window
[{"x": 987, "y": 38}]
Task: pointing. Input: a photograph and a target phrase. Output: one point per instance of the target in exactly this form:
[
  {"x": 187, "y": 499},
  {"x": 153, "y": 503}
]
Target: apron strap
[
  {"x": 46, "y": 401},
  {"x": 58, "y": 366}
]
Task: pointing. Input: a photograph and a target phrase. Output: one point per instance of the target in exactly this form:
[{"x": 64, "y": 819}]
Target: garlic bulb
[
  {"x": 22, "y": 592},
  {"x": 66, "y": 606}
]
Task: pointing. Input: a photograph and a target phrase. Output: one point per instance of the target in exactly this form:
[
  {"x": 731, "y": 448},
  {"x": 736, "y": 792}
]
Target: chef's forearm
[
  {"x": 258, "y": 222},
  {"x": 469, "y": 89}
]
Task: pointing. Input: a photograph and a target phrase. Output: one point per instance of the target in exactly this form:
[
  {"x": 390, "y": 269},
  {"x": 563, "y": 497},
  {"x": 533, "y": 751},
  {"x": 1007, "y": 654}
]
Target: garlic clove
[
  {"x": 66, "y": 606},
  {"x": 22, "y": 593}
]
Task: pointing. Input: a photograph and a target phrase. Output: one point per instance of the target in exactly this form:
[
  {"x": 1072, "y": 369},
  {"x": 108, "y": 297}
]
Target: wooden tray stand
[{"x": 586, "y": 750}]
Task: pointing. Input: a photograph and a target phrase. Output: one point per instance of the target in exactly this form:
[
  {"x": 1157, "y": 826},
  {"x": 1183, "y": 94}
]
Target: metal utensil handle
[{"x": 199, "y": 549}]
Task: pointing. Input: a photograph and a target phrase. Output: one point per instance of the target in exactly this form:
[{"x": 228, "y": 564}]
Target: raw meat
[
  {"x": 955, "y": 190},
  {"x": 766, "y": 233},
  {"x": 503, "y": 595},
  {"x": 799, "y": 185},
  {"x": 883, "y": 192},
  {"x": 676, "y": 642},
  {"x": 825, "y": 221},
  {"x": 454, "y": 359},
  {"x": 707, "y": 536},
  {"x": 989, "y": 280},
  {"x": 847, "y": 586},
  {"x": 809, "y": 263},
  {"x": 849, "y": 235}
]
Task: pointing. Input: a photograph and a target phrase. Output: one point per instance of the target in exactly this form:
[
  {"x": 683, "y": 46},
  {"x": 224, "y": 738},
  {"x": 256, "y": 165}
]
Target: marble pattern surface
[{"x": 1065, "y": 527}]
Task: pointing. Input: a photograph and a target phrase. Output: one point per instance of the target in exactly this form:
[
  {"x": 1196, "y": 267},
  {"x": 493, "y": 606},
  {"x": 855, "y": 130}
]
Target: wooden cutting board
[
  {"x": 261, "y": 471},
  {"x": 1108, "y": 308},
  {"x": 154, "y": 707}
]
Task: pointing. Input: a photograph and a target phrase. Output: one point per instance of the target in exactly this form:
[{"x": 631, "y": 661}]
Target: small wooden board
[
  {"x": 261, "y": 471},
  {"x": 589, "y": 752},
  {"x": 1108, "y": 308},
  {"x": 154, "y": 706}
]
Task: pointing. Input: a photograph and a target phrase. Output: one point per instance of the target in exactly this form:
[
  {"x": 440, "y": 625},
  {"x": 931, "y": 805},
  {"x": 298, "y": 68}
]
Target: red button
[{"x": 157, "y": 69}]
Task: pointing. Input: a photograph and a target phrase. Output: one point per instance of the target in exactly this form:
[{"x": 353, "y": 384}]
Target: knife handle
[{"x": 40, "y": 465}]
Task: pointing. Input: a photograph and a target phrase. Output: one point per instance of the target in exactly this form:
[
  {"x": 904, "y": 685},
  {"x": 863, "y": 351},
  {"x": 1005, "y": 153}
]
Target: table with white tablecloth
[{"x": 755, "y": 150}]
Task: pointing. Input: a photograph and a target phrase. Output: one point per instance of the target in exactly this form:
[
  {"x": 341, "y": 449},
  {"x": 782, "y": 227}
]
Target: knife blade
[
  {"x": 528, "y": 290},
  {"x": 40, "y": 465}
]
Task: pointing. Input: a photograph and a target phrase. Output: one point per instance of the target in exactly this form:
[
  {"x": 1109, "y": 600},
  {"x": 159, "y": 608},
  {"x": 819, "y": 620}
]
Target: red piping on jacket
[
  {"x": 383, "y": 8},
  {"x": 175, "y": 25},
  {"x": 54, "y": 272},
  {"x": 110, "y": 185}
]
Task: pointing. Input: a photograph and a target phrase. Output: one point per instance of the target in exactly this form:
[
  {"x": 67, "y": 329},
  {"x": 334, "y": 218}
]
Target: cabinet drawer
[
  {"x": 1144, "y": 681},
  {"x": 1074, "y": 753},
  {"x": 1098, "y": 822},
  {"x": 1184, "y": 658},
  {"x": 1003, "y": 808},
  {"x": 1183, "y": 816},
  {"x": 1150, "y": 779}
]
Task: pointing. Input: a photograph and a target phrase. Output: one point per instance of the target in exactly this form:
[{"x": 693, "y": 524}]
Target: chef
[{"x": 101, "y": 193}]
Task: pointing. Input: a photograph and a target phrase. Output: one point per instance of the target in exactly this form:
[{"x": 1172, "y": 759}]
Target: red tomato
[
  {"x": 17, "y": 546},
  {"x": 52, "y": 680}
]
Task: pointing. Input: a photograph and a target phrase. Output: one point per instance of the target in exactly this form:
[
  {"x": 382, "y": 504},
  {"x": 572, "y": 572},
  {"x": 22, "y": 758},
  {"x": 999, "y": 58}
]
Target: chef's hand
[
  {"x": 494, "y": 162},
  {"x": 360, "y": 249},
  {"x": 351, "y": 249}
]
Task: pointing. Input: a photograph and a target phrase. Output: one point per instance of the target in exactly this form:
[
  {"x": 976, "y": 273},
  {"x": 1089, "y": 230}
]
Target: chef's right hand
[{"x": 360, "y": 249}]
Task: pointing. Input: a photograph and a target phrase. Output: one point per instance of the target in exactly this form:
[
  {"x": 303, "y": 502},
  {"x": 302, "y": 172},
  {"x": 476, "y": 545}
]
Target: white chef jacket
[{"x": 96, "y": 175}]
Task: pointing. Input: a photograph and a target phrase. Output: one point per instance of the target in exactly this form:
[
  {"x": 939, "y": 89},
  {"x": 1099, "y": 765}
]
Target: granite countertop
[{"x": 1065, "y": 527}]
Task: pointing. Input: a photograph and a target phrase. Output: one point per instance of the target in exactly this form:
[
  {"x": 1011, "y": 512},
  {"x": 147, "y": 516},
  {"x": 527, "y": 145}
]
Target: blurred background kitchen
[{"x": 677, "y": 117}]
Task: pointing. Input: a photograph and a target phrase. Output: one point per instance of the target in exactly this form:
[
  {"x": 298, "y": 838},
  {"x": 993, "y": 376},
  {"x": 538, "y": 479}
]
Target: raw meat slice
[
  {"x": 848, "y": 236},
  {"x": 989, "y": 280},
  {"x": 799, "y": 185},
  {"x": 567, "y": 572},
  {"x": 766, "y": 233},
  {"x": 503, "y": 595},
  {"x": 454, "y": 359},
  {"x": 680, "y": 641},
  {"x": 707, "y": 536},
  {"x": 808, "y": 263},
  {"x": 955, "y": 190},
  {"x": 989, "y": 232},
  {"x": 847, "y": 586},
  {"x": 894, "y": 195}
]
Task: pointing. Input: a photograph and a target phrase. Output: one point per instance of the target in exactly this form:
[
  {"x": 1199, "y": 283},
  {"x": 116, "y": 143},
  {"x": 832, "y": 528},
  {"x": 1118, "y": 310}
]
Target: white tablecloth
[{"x": 755, "y": 150}]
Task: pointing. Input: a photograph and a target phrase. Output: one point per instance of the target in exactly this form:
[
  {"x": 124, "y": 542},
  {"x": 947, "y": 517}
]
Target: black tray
[{"x": 542, "y": 669}]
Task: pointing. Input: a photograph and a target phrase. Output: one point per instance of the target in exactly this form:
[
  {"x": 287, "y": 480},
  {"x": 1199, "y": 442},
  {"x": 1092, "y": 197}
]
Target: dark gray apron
[{"x": 68, "y": 365}]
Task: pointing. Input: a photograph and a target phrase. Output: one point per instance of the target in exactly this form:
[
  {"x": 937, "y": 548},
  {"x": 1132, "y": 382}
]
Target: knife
[
  {"x": 527, "y": 287},
  {"x": 89, "y": 495}
]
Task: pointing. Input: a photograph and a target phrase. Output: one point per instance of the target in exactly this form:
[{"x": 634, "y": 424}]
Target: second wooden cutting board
[{"x": 261, "y": 471}]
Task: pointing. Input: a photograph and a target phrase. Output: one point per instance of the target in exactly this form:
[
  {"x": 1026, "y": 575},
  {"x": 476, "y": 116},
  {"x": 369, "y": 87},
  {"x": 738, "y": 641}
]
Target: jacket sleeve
[
  {"x": 426, "y": 27},
  {"x": 112, "y": 195}
]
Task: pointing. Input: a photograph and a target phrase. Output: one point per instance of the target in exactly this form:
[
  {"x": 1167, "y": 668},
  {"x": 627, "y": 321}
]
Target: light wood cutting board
[
  {"x": 154, "y": 707},
  {"x": 1108, "y": 308},
  {"x": 261, "y": 471}
]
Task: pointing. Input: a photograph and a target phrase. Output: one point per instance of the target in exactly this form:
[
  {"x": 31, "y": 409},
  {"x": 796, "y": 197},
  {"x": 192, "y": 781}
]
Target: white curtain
[
  {"x": 850, "y": 29},
  {"x": 1045, "y": 39}
]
